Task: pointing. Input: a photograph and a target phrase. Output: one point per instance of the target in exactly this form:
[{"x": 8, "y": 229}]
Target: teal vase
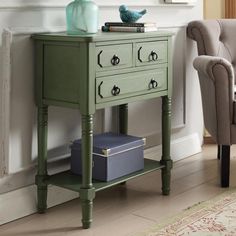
[{"x": 82, "y": 17}]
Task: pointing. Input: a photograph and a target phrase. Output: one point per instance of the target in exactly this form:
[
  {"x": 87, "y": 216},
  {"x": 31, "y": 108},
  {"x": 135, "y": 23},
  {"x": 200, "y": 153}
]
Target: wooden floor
[{"x": 134, "y": 207}]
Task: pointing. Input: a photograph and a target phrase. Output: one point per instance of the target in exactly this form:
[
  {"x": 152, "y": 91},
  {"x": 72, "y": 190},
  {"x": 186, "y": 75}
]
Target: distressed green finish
[
  {"x": 42, "y": 158},
  {"x": 77, "y": 71},
  {"x": 42, "y": 127},
  {"x": 73, "y": 182},
  {"x": 170, "y": 71},
  {"x": 87, "y": 190},
  {"x": 123, "y": 119},
  {"x": 87, "y": 81},
  {"x": 144, "y": 50},
  {"x": 140, "y": 85},
  {"x": 131, "y": 99},
  {"x": 123, "y": 122},
  {"x": 166, "y": 129},
  {"x": 166, "y": 159},
  {"x": 102, "y": 38},
  {"x": 61, "y": 56},
  {"x": 106, "y": 53}
]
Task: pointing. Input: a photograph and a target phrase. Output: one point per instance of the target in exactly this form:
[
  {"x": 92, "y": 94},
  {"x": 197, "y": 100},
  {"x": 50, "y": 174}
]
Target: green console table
[{"x": 94, "y": 72}]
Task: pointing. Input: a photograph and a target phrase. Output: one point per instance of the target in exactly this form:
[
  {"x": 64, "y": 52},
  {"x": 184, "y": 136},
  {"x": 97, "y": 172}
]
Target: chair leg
[
  {"x": 219, "y": 152},
  {"x": 225, "y": 165}
]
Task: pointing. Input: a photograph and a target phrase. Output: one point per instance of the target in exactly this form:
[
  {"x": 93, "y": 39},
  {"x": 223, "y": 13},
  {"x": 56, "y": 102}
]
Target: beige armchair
[{"x": 216, "y": 66}]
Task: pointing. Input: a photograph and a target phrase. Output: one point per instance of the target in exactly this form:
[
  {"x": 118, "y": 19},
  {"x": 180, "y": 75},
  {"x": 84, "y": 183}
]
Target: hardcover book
[
  {"x": 128, "y": 29},
  {"x": 121, "y": 24}
]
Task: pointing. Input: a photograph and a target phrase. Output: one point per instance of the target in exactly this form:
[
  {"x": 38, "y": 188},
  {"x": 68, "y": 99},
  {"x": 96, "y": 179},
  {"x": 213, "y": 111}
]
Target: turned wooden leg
[
  {"x": 87, "y": 192},
  {"x": 123, "y": 122},
  {"x": 123, "y": 119},
  {"x": 166, "y": 131},
  {"x": 225, "y": 166},
  {"x": 42, "y": 159}
]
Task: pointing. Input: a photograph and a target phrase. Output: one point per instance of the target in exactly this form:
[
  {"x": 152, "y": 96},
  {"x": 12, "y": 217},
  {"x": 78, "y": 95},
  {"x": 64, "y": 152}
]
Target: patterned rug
[{"x": 216, "y": 217}]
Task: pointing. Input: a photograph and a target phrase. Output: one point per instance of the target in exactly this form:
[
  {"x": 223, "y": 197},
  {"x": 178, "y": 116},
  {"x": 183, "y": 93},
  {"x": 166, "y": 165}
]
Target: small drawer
[
  {"x": 112, "y": 88},
  {"x": 151, "y": 53},
  {"x": 114, "y": 57}
]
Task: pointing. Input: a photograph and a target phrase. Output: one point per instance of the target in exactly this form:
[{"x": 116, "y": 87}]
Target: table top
[{"x": 100, "y": 36}]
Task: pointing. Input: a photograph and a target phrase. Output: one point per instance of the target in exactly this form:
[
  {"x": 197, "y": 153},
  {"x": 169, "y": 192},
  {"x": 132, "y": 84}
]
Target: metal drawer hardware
[
  {"x": 139, "y": 57},
  {"x": 115, "y": 60},
  {"x": 115, "y": 90},
  {"x": 99, "y": 90},
  {"x": 153, "y": 84},
  {"x": 99, "y": 61},
  {"x": 153, "y": 56}
]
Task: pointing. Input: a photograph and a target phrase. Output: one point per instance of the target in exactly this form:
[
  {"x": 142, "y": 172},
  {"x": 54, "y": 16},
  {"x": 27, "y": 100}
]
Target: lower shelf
[{"x": 73, "y": 182}]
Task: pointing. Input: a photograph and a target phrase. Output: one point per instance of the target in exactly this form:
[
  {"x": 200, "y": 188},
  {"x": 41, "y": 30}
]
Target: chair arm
[
  {"x": 216, "y": 76},
  {"x": 206, "y": 65}
]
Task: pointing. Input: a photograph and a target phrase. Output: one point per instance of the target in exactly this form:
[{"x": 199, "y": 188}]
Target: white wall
[
  {"x": 214, "y": 9},
  {"x": 18, "y": 153}
]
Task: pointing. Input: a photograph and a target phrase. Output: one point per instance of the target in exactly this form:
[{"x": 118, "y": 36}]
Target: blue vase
[{"x": 82, "y": 17}]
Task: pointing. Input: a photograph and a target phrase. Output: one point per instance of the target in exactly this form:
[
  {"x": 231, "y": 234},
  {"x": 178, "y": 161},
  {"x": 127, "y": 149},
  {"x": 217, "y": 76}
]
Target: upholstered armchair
[{"x": 216, "y": 66}]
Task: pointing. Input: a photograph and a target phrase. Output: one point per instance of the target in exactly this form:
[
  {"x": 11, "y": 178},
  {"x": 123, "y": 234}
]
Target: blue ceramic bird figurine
[{"x": 128, "y": 16}]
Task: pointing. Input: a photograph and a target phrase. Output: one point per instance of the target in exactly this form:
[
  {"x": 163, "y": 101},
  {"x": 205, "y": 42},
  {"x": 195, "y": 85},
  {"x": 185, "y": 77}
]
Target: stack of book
[{"x": 129, "y": 27}]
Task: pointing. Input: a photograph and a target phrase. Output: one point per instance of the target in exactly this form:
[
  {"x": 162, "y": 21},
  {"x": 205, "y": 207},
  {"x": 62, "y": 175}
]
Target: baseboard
[
  {"x": 22, "y": 202},
  {"x": 180, "y": 148}
]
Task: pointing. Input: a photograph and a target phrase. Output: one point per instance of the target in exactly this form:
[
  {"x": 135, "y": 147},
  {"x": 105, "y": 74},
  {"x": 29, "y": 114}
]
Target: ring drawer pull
[
  {"x": 115, "y": 90},
  {"x": 153, "y": 56},
  {"x": 115, "y": 60},
  {"x": 153, "y": 84}
]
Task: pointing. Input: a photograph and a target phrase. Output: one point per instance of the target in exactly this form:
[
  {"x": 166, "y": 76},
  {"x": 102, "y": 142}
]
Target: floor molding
[
  {"x": 22, "y": 202},
  {"x": 180, "y": 148}
]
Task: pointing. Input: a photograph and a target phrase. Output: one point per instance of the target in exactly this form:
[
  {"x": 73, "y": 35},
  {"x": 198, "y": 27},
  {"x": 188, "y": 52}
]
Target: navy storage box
[{"x": 114, "y": 155}]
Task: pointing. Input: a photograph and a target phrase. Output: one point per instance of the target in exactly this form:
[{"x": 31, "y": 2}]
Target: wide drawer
[
  {"x": 114, "y": 57},
  {"x": 148, "y": 53},
  {"x": 121, "y": 86}
]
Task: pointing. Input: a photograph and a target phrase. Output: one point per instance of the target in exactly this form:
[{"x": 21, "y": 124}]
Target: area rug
[{"x": 216, "y": 217}]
